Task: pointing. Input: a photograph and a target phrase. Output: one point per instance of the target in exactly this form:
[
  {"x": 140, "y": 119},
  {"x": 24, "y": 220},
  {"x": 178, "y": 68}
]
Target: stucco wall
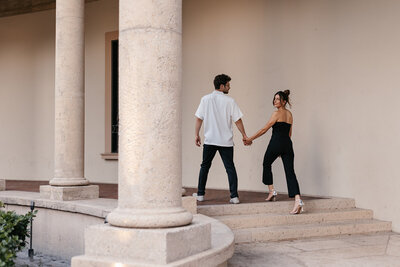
[
  {"x": 27, "y": 62},
  {"x": 339, "y": 58},
  {"x": 341, "y": 61},
  {"x": 27, "y": 96},
  {"x": 101, "y": 17}
]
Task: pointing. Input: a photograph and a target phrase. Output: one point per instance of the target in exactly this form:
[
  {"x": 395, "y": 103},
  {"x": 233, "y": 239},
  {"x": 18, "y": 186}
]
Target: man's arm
[
  {"x": 240, "y": 126},
  {"x": 197, "y": 127}
]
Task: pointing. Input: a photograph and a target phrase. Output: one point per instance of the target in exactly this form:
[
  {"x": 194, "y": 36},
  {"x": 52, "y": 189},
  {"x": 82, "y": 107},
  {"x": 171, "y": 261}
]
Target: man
[{"x": 218, "y": 110}]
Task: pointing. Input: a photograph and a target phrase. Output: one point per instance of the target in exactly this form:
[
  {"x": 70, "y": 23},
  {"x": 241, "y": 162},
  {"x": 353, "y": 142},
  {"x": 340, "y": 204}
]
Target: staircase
[{"x": 271, "y": 221}]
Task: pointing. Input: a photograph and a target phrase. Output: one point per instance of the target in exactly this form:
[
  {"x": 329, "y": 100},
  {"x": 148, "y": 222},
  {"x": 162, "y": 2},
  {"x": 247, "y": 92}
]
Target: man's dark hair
[{"x": 221, "y": 79}]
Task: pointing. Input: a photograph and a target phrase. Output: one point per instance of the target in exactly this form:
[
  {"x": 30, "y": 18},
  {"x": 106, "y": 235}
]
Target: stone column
[
  {"x": 150, "y": 64},
  {"x": 69, "y": 104},
  {"x": 149, "y": 226}
]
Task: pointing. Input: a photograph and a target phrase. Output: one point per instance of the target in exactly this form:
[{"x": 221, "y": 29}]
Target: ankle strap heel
[
  {"x": 299, "y": 208},
  {"x": 273, "y": 197}
]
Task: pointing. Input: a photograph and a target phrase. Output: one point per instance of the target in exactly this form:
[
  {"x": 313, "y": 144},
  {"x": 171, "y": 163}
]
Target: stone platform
[
  {"x": 258, "y": 227},
  {"x": 212, "y": 197}
]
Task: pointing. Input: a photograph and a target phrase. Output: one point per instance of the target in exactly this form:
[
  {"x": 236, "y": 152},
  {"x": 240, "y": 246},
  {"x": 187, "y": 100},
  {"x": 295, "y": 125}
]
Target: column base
[
  {"x": 94, "y": 261},
  {"x": 150, "y": 218},
  {"x": 141, "y": 247},
  {"x": 66, "y": 193},
  {"x": 2, "y": 184},
  {"x": 205, "y": 242},
  {"x": 68, "y": 181},
  {"x": 189, "y": 203}
]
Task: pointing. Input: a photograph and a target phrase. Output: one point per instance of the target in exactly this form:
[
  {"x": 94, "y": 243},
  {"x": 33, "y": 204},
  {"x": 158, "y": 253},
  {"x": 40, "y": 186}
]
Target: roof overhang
[{"x": 17, "y": 7}]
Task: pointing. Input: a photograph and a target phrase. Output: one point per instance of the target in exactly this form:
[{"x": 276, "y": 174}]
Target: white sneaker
[
  {"x": 234, "y": 200},
  {"x": 199, "y": 198}
]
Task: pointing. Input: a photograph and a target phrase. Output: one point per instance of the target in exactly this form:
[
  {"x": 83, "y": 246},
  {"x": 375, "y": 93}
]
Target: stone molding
[{"x": 67, "y": 193}]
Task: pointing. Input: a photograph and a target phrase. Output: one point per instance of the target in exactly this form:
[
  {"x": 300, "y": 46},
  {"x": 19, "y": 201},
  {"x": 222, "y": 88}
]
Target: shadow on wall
[
  {"x": 311, "y": 157},
  {"x": 318, "y": 179}
]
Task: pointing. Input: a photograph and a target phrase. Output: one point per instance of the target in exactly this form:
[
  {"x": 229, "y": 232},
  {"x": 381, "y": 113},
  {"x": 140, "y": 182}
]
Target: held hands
[{"x": 247, "y": 141}]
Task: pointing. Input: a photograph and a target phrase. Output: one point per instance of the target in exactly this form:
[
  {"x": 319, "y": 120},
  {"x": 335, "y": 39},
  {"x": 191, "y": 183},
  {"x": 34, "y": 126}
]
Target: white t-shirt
[{"x": 217, "y": 111}]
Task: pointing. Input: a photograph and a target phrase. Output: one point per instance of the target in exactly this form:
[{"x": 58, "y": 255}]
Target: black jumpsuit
[{"x": 281, "y": 145}]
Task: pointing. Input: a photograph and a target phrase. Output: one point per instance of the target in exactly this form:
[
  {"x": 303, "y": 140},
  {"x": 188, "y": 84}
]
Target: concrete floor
[
  {"x": 359, "y": 250},
  {"x": 382, "y": 250}
]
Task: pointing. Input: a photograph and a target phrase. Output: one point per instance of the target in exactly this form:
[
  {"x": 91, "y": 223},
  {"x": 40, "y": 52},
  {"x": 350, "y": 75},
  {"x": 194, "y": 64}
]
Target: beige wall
[
  {"x": 101, "y": 17},
  {"x": 27, "y": 62},
  {"x": 27, "y": 96},
  {"x": 341, "y": 61},
  {"x": 339, "y": 58}
]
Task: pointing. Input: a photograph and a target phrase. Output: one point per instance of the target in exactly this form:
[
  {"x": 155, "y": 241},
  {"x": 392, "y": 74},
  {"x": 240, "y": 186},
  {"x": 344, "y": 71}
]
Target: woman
[{"x": 280, "y": 145}]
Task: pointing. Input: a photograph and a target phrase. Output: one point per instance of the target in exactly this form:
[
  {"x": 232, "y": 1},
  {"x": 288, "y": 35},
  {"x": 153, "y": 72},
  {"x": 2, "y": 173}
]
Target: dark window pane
[{"x": 114, "y": 96}]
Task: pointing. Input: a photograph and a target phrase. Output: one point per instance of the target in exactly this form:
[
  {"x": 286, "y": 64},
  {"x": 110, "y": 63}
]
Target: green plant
[{"x": 13, "y": 231}]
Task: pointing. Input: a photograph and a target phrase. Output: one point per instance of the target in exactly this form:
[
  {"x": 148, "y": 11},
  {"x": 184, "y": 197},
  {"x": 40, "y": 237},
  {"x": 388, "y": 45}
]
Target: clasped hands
[{"x": 247, "y": 141}]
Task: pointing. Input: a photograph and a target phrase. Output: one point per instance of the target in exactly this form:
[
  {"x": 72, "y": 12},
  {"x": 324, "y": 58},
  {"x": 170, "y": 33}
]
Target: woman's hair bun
[{"x": 287, "y": 92}]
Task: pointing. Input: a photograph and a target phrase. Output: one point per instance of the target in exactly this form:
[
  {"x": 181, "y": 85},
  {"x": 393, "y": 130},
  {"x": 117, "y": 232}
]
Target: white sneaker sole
[{"x": 198, "y": 198}]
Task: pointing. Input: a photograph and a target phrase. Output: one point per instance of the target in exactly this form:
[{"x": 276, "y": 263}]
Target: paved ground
[
  {"x": 381, "y": 250},
  {"x": 40, "y": 260}
]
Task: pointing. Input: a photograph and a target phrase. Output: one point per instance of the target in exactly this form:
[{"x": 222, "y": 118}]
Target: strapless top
[{"x": 281, "y": 128}]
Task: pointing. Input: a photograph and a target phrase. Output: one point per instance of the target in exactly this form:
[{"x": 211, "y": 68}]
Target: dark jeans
[{"x": 226, "y": 154}]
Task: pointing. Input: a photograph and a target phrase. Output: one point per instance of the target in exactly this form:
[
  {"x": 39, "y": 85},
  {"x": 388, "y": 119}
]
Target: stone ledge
[
  {"x": 275, "y": 207},
  {"x": 109, "y": 156},
  {"x": 99, "y": 207}
]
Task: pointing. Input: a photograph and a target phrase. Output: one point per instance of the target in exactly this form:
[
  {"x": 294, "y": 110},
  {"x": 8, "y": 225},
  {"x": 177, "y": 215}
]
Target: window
[
  {"x": 114, "y": 96},
  {"x": 111, "y": 96}
]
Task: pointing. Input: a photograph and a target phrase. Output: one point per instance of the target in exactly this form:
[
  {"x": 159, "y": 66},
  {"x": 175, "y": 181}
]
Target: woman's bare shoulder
[
  {"x": 290, "y": 116},
  {"x": 275, "y": 113}
]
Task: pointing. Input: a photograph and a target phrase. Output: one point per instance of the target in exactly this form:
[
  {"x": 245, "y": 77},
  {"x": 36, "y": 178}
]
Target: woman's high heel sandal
[
  {"x": 299, "y": 208},
  {"x": 273, "y": 197}
]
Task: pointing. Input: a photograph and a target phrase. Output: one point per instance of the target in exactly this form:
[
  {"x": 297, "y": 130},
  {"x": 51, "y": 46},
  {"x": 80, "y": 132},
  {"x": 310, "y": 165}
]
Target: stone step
[
  {"x": 301, "y": 231},
  {"x": 330, "y": 204},
  {"x": 264, "y": 220}
]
